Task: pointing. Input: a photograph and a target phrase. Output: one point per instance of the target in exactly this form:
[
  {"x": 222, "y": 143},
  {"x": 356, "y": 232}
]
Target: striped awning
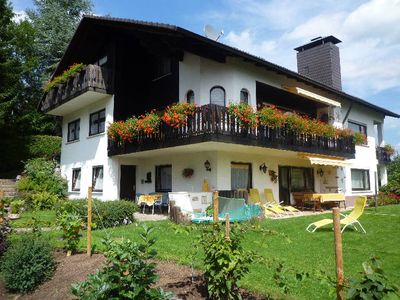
[{"x": 327, "y": 161}]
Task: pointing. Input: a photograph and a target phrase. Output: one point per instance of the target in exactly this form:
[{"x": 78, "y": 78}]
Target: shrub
[
  {"x": 28, "y": 262},
  {"x": 5, "y": 230},
  {"x": 105, "y": 213},
  {"x": 41, "y": 186},
  {"x": 16, "y": 206},
  {"x": 384, "y": 199},
  {"x": 373, "y": 284},
  {"x": 45, "y": 146},
  {"x": 225, "y": 261},
  {"x": 127, "y": 275},
  {"x": 71, "y": 224}
]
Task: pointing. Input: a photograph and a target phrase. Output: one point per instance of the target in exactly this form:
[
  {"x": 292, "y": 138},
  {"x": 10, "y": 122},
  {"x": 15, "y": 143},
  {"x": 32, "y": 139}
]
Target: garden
[{"x": 43, "y": 252}]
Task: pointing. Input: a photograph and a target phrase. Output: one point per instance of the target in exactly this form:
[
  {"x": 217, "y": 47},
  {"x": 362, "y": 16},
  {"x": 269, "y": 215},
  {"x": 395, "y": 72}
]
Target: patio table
[
  {"x": 318, "y": 199},
  {"x": 149, "y": 200}
]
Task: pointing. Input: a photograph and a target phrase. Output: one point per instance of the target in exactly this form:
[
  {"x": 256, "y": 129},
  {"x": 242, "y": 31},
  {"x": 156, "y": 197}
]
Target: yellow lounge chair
[
  {"x": 269, "y": 197},
  {"x": 350, "y": 219},
  {"x": 254, "y": 198}
]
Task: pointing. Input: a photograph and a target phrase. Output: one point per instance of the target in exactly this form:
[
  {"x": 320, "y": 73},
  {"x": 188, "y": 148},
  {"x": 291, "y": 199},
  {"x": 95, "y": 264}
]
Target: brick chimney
[{"x": 320, "y": 60}]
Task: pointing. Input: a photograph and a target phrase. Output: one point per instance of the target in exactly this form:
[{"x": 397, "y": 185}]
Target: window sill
[
  {"x": 74, "y": 192},
  {"x": 361, "y": 192},
  {"x": 72, "y": 142},
  {"x": 95, "y": 135},
  {"x": 97, "y": 192}
]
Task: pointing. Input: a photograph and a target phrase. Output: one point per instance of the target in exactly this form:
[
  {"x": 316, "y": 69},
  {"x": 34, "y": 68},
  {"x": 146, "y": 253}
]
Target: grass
[
  {"x": 44, "y": 218},
  {"x": 309, "y": 252}
]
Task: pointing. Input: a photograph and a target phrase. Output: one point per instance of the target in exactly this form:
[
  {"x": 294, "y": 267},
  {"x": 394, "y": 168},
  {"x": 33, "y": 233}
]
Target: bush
[
  {"x": 5, "y": 230},
  {"x": 16, "y": 206},
  {"x": 44, "y": 146},
  {"x": 373, "y": 284},
  {"x": 71, "y": 224},
  {"x": 127, "y": 275},
  {"x": 28, "y": 262},
  {"x": 41, "y": 187},
  {"x": 225, "y": 261},
  {"x": 105, "y": 213},
  {"x": 384, "y": 199}
]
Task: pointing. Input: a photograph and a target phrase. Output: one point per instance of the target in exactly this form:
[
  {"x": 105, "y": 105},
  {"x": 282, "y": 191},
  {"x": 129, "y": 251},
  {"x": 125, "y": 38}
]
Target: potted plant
[
  {"x": 389, "y": 149},
  {"x": 149, "y": 123},
  {"x": 15, "y": 209},
  {"x": 244, "y": 114}
]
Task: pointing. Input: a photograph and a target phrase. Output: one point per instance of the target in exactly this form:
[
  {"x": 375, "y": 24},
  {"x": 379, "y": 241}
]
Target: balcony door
[
  {"x": 294, "y": 179},
  {"x": 127, "y": 185}
]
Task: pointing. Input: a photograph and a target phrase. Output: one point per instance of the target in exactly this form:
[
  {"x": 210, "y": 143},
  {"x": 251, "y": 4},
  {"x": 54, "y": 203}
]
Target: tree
[
  {"x": 55, "y": 22},
  {"x": 393, "y": 170}
]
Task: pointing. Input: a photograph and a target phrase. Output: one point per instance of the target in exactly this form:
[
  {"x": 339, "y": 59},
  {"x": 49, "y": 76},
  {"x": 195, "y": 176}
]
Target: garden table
[{"x": 149, "y": 200}]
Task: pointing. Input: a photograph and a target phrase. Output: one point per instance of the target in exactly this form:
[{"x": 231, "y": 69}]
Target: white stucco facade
[{"x": 200, "y": 75}]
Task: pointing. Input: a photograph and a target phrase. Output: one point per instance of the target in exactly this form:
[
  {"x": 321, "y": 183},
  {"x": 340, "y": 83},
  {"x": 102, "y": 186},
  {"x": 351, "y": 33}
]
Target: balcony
[
  {"x": 213, "y": 123},
  {"x": 83, "y": 88},
  {"x": 383, "y": 156}
]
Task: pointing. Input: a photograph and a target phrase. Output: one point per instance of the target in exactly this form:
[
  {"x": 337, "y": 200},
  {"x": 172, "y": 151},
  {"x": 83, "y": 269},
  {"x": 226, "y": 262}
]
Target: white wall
[{"x": 89, "y": 151}]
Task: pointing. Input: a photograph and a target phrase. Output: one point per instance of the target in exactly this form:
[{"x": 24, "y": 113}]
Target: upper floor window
[
  {"x": 97, "y": 178},
  {"x": 76, "y": 179},
  {"x": 244, "y": 96},
  {"x": 190, "y": 96},
  {"x": 359, "y": 180},
  {"x": 217, "y": 95},
  {"x": 73, "y": 130},
  {"x": 162, "y": 67},
  {"x": 356, "y": 127},
  {"x": 97, "y": 122}
]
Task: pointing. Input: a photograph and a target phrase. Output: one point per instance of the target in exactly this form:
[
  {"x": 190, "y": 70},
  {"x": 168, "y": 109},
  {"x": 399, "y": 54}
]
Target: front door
[{"x": 127, "y": 183}]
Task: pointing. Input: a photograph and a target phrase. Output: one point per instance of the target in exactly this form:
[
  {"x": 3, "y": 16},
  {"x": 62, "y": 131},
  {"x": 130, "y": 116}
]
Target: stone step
[
  {"x": 8, "y": 189},
  {"x": 7, "y": 181}
]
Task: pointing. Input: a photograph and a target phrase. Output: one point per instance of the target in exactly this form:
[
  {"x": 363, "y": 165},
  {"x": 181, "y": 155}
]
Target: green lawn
[
  {"x": 305, "y": 251},
  {"x": 44, "y": 218}
]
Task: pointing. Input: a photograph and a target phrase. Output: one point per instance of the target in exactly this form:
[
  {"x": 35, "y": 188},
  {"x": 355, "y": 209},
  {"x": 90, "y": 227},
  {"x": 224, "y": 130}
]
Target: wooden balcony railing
[
  {"x": 383, "y": 156},
  {"x": 91, "y": 78},
  {"x": 213, "y": 123}
]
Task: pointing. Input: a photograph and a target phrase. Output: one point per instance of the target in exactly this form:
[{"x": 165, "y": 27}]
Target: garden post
[
  {"x": 338, "y": 253},
  {"x": 227, "y": 226},
  {"x": 215, "y": 206},
  {"x": 89, "y": 223}
]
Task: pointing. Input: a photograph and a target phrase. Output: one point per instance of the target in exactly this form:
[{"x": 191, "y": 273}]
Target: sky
[{"x": 369, "y": 31}]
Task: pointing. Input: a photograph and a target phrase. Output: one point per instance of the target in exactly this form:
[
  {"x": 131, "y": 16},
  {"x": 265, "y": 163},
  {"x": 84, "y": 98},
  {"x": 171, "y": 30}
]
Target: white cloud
[{"x": 20, "y": 16}]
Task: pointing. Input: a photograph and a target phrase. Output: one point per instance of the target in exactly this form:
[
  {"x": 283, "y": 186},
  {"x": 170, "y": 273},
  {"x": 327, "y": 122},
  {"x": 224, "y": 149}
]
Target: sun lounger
[{"x": 269, "y": 197}]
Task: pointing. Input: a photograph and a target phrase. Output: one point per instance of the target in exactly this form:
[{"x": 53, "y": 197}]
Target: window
[
  {"x": 97, "y": 179},
  {"x": 244, "y": 96},
  {"x": 240, "y": 176},
  {"x": 97, "y": 122},
  {"x": 359, "y": 180},
  {"x": 162, "y": 67},
  {"x": 73, "y": 130},
  {"x": 301, "y": 179},
  {"x": 190, "y": 96},
  {"x": 356, "y": 127},
  {"x": 164, "y": 178},
  {"x": 76, "y": 180},
  {"x": 217, "y": 95}
]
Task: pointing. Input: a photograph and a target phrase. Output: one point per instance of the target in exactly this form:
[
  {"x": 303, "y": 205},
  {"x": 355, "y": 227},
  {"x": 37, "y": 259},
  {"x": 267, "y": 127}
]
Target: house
[{"x": 134, "y": 66}]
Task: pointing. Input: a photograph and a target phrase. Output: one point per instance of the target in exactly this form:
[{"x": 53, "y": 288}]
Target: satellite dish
[{"x": 212, "y": 33}]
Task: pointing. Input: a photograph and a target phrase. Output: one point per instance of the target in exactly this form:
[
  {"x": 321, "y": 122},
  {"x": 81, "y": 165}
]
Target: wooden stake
[
  {"x": 227, "y": 226},
  {"x": 338, "y": 254},
  {"x": 215, "y": 206},
  {"x": 89, "y": 223}
]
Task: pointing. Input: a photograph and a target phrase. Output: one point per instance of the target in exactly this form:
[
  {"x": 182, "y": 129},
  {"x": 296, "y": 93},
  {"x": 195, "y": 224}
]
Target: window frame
[
  {"x": 250, "y": 170},
  {"x": 73, "y": 181},
  {"x": 157, "y": 181},
  {"x": 218, "y": 87},
  {"x": 98, "y": 123},
  {"x": 365, "y": 172},
  {"x": 77, "y": 124},
  {"x": 93, "y": 178},
  {"x": 360, "y": 125},
  {"x": 243, "y": 90}
]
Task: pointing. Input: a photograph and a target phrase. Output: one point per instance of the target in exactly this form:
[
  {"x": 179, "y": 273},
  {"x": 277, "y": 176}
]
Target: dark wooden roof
[{"x": 191, "y": 41}]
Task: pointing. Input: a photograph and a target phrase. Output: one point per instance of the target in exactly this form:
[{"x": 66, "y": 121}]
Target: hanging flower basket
[{"x": 176, "y": 115}]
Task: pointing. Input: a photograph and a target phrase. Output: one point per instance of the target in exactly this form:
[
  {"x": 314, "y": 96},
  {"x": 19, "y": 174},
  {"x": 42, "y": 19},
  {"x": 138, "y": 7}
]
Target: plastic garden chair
[
  {"x": 254, "y": 198},
  {"x": 269, "y": 197},
  {"x": 350, "y": 219}
]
